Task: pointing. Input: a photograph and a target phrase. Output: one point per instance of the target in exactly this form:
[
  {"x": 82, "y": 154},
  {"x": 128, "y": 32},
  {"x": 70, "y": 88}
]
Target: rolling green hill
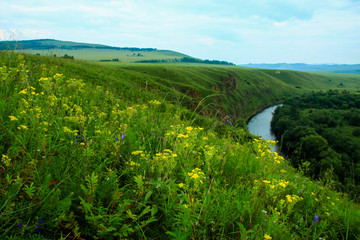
[
  {"x": 115, "y": 151},
  {"x": 90, "y": 52}
]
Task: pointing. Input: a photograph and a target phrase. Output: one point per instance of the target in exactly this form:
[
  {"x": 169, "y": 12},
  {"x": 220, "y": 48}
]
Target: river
[{"x": 260, "y": 126}]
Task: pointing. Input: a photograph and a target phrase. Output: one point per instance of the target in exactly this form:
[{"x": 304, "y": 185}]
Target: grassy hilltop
[
  {"x": 89, "y": 52},
  {"x": 144, "y": 151}
]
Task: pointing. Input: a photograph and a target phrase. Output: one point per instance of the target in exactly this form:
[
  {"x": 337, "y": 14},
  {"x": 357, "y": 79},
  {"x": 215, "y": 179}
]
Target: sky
[{"x": 238, "y": 31}]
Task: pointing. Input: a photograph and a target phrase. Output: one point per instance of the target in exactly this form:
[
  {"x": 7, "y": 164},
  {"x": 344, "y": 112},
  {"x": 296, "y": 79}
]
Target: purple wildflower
[
  {"x": 316, "y": 219},
  {"x": 122, "y": 136},
  {"x": 20, "y": 225}
]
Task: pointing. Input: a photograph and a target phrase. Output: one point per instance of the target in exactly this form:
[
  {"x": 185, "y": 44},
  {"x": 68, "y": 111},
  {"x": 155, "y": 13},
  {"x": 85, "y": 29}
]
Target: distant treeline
[
  {"x": 48, "y": 44},
  {"x": 320, "y": 134},
  {"x": 187, "y": 59},
  {"x": 110, "y": 60}
]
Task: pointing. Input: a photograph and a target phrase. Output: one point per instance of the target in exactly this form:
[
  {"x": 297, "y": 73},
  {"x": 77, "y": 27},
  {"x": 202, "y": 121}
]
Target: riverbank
[{"x": 260, "y": 125}]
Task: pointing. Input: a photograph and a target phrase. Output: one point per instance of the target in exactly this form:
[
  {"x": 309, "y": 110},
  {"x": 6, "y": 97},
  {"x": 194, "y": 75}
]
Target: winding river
[{"x": 259, "y": 125}]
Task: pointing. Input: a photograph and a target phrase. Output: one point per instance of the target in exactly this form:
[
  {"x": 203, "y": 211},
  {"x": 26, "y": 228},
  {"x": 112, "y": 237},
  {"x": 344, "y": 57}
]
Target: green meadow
[
  {"x": 154, "y": 151},
  {"x": 110, "y": 54}
]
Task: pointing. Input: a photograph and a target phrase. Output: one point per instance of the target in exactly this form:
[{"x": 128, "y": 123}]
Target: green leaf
[
  {"x": 154, "y": 210},
  {"x": 139, "y": 181},
  {"x": 130, "y": 214},
  {"x": 30, "y": 190},
  {"x": 148, "y": 194}
]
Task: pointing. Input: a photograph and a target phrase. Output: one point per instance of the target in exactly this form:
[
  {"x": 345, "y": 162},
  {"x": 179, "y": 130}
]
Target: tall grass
[{"x": 78, "y": 160}]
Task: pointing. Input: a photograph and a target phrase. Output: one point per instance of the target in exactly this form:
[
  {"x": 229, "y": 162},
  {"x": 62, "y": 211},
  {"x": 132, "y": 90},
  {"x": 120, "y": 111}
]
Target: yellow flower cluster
[
  {"x": 293, "y": 198},
  {"x": 137, "y": 152},
  {"x": 58, "y": 75},
  {"x": 23, "y": 127},
  {"x": 182, "y": 136},
  {"x": 133, "y": 164},
  {"x": 156, "y": 102},
  {"x": 43, "y": 79},
  {"x": 283, "y": 183},
  {"x": 267, "y": 236},
  {"x": 13, "y": 118},
  {"x": 196, "y": 174},
  {"x": 67, "y": 130},
  {"x": 189, "y": 129},
  {"x": 6, "y": 160}
]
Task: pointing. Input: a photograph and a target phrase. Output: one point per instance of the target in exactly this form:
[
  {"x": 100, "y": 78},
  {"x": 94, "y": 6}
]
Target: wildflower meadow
[{"x": 79, "y": 161}]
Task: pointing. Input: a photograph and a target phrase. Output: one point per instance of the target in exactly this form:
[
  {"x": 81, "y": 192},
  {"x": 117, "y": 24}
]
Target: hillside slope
[{"x": 214, "y": 91}]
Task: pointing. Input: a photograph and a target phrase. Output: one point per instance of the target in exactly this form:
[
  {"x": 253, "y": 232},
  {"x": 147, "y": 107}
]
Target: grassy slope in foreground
[{"x": 79, "y": 161}]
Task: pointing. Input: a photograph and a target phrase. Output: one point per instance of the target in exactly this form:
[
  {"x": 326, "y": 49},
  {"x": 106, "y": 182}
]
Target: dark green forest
[{"x": 320, "y": 135}]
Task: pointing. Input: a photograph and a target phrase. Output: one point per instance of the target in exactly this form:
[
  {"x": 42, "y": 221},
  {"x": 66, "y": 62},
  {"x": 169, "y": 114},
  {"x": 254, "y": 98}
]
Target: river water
[{"x": 259, "y": 125}]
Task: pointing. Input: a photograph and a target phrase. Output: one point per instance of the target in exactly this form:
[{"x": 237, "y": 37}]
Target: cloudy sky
[{"x": 239, "y": 31}]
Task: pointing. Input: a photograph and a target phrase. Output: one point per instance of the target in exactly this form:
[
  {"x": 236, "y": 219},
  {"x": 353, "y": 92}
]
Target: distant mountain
[{"x": 333, "y": 68}]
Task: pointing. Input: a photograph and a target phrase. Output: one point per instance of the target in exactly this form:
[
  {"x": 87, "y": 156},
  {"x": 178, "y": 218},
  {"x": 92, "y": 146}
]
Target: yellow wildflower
[
  {"x": 67, "y": 130},
  {"x": 189, "y": 129},
  {"x": 182, "y": 136},
  {"x": 12, "y": 118},
  {"x": 267, "y": 236},
  {"x": 43, "y": 79},
  {"x": 22, "y": 91},
  {"x": 266, "y": 181},
  {"x": 6, "y": 160},
  {"x": 195, "y": 176},
  {"x": 137, "y": 152},
  {"x": 289, "y": 198},
  {"x": 181, "y": 185},
  {"x": 24, "y": 127}
]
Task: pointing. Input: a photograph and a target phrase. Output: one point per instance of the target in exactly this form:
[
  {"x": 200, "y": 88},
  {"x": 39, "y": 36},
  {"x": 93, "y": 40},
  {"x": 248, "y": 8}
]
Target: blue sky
[{"x": 239, "y": 31}]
